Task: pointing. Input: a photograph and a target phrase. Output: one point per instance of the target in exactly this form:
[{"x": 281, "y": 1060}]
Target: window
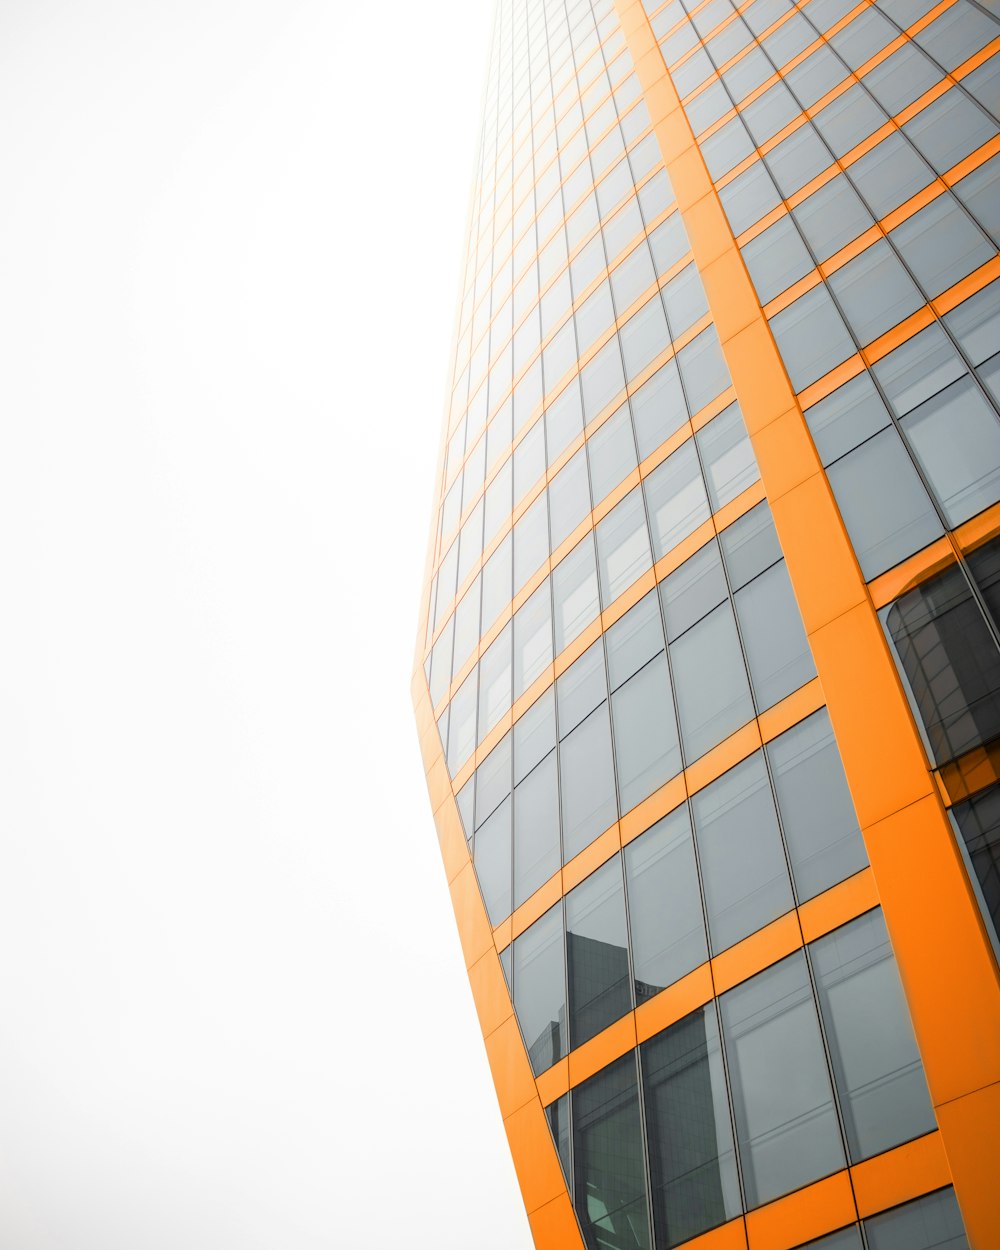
[
  {"x": 531, "y": 541},
  {"x": 749, "y": 197},
  {"x": 703, "y": 370},
  {"x": 609, "y": 1163},
  {"x": 569, "y": 498},
  {"x": 676, "y": 498},
  {"x": 941, "y": 244},
  {"x": 495, "y": 673},
  {"x": 890, "y": 174},
  {"x": 597, "y": 953},
  {"x": 574, "y": 593},
  {"x": 540, "y": 989},
  {"x": 742, "y": 860},
  {"x": 931, "y": 1223},
  {"x": 843, "y": 420},
  {"x": 692, "y": 1160},
  {"x": 536, "y": 829},
  {"x": 492, "y": 859},
  {"x": 817, "y": 815},
  {"x": 693, "y": 590},
  {"x": 831, "y": 217},
  {"x": 879, "y": 1077},
  {"x": 875, "y": 292},
  {"x": 727, "y": 457},
  {"x": 658, "y": 409},
  {"x": 978, "y": 821},
  {"x": 589, "y": 804},
  {"x": 777, "y": 652},
  {"x": 811, "y": 337},
  {"x": 786, "y": 1125},
  {"x": 532, "y": 639},
  {"x": 713, "y": 697},
  {"x": 623, "y": 546},
  {"x": 665, "y": 916},
  {"x": 643, "y": 337},
  {"x": 883, "y": 502},
  {"x": 647, "y": 751},
  {"x": 611, "y": 452}
]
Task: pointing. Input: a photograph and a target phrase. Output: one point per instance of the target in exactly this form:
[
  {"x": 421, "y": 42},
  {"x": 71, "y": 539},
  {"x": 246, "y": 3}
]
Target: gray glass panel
[
  {"x": 941, "y": 244},
  {"x": 647, "y": 752},
  {"x": 676, "y": 498},
  {"x": 540, "y": 989},
  {"x": 665, "y": 917},
  {"x": 845, "y": 1239},
  {"x": 534, "y": 734},
  {"x": 532, "y": 639},
  {"x": 811, "y": 337},
  {"x": 749, "y": 197},
  {"x": 597, "y": 953},
  {"x": 684, "y": 298},
  {"x": 529, "y": 461},
  {"x": 883, "y": 502},
  {"x": 976, "y": 323},
  {"x": 589, "y": 805},
  {"x": 643, "y": 337},
  {"x": 776, "y": 258},
  {"x": 890, "y": 174},
  {"x": 922, "y": 366},
  {"x": 946, "y": 131},
  {"x": 493, "y": 780},
  {"x": 611, "y": 452},
  {"x": 739, "y": 846},
  {"x": 563, "y": 420},
  {"x": 574, "y": 593},
  {"x": 750, "y": 545},
  {"x": 875, "y": 292},
  {"x": 495, "y": 674},
  {"x": 658, "y": 409},
  {"x": 692, "y": 1161},
  {"x": 773, "y": 637},
  {"x": 609, "y": 1160},
  {"x": 710, "y": 681},
  {"x": 954, "y": 36},
  {"x": 902, "y": 78},
  {"x": 786, "y": 1125},
  {"x": 492, "y": 859},
  {"x": 852, "y": 414},
  {"x": 815, "y": 76},
  {"x": 703, "y": 370},
  {"x": 531, "y": 541},
  {"x": 462, "y": 733},
  {"x": 668, "y": 243},
  {"x": 581, "y": 688},
  {"x": 536, "y": 829},
  {"x": 727, "y": 457},
  {"x": 693, "y": 590},
  {"x": 978, "y": 822},
  {"x": 557, "y": 1114},
  {"x": 956, "y": 439},
  {"x": 569, "y": 498},
  {"x": 980, "y": 193},
  {"x": 950, "y": 662},
  {"x": 623, "y": 546},
  {"x": 931, "y": 1223},
  {"x": 831, "y": 217},
  {"x": 602, "y": 379},
  {"x": 633, "y": 640},
  {"x": 820, "y": 825},
  {"x": 876, "y": 1066},
  {"x": 798, "y": 159}
]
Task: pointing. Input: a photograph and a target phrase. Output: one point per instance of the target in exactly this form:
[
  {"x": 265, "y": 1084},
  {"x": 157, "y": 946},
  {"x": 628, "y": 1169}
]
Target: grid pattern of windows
[{"x": 654, "y": 804}]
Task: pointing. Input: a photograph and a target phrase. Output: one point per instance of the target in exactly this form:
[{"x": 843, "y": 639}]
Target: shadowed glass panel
[
  {"x": 540, "y": 989},
  {"x": 597, "y": 953}
]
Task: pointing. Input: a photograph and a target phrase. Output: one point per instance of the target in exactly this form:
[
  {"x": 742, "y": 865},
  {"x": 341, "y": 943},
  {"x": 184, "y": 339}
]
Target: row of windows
[
  {"x": 625, "y": 718},
  {"x": 593, "y": 573},
  {"x": 635, "y": 261},
  {"x": 697, "y": 479},
  {"x": 708, "y": 875},
  {"x": 545, "y": 294},
  {"x": 787, "y": 1078},
  {"x": 912, "y": 447}
]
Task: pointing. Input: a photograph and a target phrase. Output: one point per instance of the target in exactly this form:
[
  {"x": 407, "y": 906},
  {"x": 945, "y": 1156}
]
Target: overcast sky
[{"x": 232, "y": 1005}]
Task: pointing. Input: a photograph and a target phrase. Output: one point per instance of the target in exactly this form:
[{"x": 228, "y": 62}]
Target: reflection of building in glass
[{"x": 708, "y": 677}]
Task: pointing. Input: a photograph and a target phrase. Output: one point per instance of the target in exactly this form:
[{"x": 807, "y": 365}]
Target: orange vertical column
[{"x": 936, "y": 929}]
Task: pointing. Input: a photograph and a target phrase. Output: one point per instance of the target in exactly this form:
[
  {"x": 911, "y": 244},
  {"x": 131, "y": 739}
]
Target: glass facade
[{"x": 711, "y": 630}]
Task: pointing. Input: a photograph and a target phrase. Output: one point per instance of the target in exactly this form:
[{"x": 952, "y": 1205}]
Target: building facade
[{"x": 708, "y": 670}]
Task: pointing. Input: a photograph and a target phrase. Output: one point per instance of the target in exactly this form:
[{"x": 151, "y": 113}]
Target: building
[{"x": 708, "y": 676}]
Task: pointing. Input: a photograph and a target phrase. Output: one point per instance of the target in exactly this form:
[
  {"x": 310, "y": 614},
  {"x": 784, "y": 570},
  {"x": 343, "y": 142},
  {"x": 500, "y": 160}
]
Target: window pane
[
  {"x": 540, "y": 989},
  {"x": 574, "y": 593},
  {"x": 693, "y": 590},
  {"x": 581, "y": 688},
  {"x": 493, "y": 780},
  {"x": 534, "y": 735},
  {"x": 742, "y": 860},
  {"x": 647, "y": 752},
  {"x": 493, "y": 862},
  {"x": 532, "y": 639},
  {"x": 852, "y": 414},
  {"x": 713, "y": 696},
  {"x": 941, "y": 244},
  {"x": 692, "y": 1161},
  {"x": 831, "y": 217},
  {"x": 665, "y": 916},
  {"x": 495, "y": 674},
  {"x": 589, "y": 805},
  {"x": 876, "y": 1066},
  {"x": 569, "y": 498},
  {"x": 727, "y": 457},
  {"x": 750, "y": 545},
  {"x": 777, "y": 652},
  {"x": 658, "y": 409},
  {"x": 931, "y": 1223},
  {"x": 609, "y": 1162},
  {"x": 623, "y": 546},
  {"x": 597, "y": 953},
  {"x": 979, "y": 823},
  {"x": 875, "y": 292},
  {"x": 883, "y": 502},
  {"x": 820, "y": 825},
  {"x": 536, "y": 829},
  {"x": 776, "y": 258},
  {"x": 811, "y": 337},
  {"x": 633, "y": 640},
  {"x": 956, "y": 439},
  {"x": 786, "y": 1125},
  {"x": 611, "y": 452},
  {"x": 676, "y": 498}
]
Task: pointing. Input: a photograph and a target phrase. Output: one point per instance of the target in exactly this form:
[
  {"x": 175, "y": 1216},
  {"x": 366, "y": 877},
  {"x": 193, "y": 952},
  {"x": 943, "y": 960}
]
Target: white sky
[{"x": 232, "y": 1006}]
